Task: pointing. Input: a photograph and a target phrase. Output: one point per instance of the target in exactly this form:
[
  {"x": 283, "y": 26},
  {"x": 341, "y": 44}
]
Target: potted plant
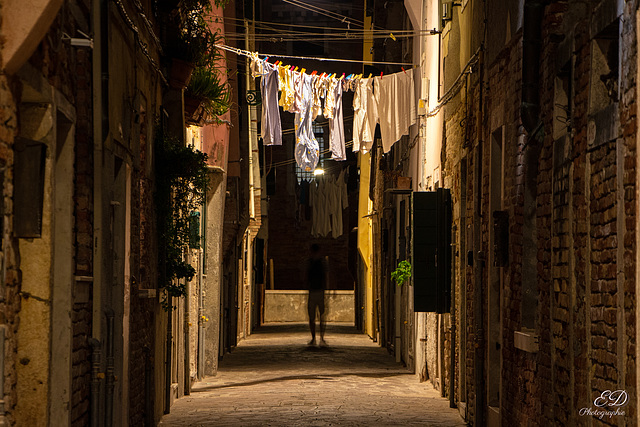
[
  {"x": 402, "y": 273},
  {"x": 181, "y": 185},
  {"x": 206, "y": 90},
  {"x": 190, "y": 42}
]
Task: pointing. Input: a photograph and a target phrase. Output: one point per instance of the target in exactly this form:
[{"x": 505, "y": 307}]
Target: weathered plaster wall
[{"x": 291, "y": 306}]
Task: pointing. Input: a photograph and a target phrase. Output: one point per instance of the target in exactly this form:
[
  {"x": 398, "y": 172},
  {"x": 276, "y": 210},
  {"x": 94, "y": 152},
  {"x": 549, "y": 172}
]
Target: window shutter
[
  {"x": 28, "y": 194},
  {"x": 431, "y": 250}
]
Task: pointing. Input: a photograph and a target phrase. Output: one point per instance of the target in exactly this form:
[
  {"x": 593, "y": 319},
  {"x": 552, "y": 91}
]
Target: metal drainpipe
[
  {"x": 478, "y": 312},
  {"x": 167, "y": 366},
  {"x": 100, "y": 81},
  {"x": 148, "y": 397},
  {"x": 452, "y": 374},
  {"x": 3, "y": 418},
  {"x": 96, "y": 361},
  {"x": 201, "y": 335},
  {"x": 108, "y": 416},
  {"x": 187, "y": 359}
]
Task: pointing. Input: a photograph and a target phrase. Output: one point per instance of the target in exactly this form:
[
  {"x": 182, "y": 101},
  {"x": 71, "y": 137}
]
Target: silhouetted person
[{"x": 316, "y": 283}]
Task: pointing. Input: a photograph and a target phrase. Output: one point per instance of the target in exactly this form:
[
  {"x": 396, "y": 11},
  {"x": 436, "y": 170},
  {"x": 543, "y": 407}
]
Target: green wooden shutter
[{"x": 431, "y": 250}]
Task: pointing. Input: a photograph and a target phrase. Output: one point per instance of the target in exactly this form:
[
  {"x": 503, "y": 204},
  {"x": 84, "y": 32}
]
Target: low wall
[{"x": 291, "y": 306}]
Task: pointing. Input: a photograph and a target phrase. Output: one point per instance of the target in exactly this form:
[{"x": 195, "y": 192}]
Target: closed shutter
[
  {"x": 28, "y": 194},
  {"x": 431, "y": 250}
]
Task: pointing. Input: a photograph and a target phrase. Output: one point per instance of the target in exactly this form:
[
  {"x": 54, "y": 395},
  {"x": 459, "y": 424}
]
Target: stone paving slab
[{"x": 273, "y": 378}]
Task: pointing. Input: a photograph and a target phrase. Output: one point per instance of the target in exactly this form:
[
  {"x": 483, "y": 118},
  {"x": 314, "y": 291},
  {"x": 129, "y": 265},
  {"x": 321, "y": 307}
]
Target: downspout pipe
[
  {"x": 100, "y": 106},
  {"x": 531, "y": 47},
  {"x": 167, "y": 365},
  {"x": 479, "y": 260}
]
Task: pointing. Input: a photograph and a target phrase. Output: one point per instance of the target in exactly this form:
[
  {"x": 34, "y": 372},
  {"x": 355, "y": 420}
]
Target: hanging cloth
[
  {"x": 306, "y": 149},
  {"x": 336, "y": 128},
  {"x": 396, "y": 106},
  {"x": 365, "y": 115},
  {"x": 285, "y": 82},
  {"x": 271, "y": 125}
]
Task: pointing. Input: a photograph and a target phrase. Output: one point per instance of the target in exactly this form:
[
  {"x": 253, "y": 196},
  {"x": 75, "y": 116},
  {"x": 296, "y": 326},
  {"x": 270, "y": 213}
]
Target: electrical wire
[
  {"x": 345, "y": 38},
  {"x": 141, "y": 44},
  {"x": 325, "y": 151},
  {"x": 248, "y": 54},
  {"x": 269, "y": 24},
  {"x": 324, "y": 12}
]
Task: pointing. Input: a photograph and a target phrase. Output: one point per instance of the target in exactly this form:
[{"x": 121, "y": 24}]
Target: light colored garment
[
  {"x": 340, "y": 202},
  {"x": 365, "y": 115},
  {"x": 256, "y": 65},
  {"x": 299, "y": 93},
  {"x": 318, "y": 94},
  {"x": 287, "y": 93},
  {"x": 306, "y": 150},
  {"x": 336, "y": 128},
  {"x": 313, "y": 202},
  {"x": 324, "y": 227},
  {"x": 271, "y": 125},
  {"x": 396, "y": 106},
  {"x": 330, "y": 100},
  {"x": 320, "y": 225}
]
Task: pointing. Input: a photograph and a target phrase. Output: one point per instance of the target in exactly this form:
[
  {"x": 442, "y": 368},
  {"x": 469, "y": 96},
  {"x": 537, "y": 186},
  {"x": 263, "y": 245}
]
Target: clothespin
[
  {"x": 349, "y": 76},
  {"x": 314, "y": 72},
  {"x": 403, "y": 70},
  {"x": 266, "y": 59},
  {"x": 369, "y": 76},
  {"x": 303, "y": 70},
  {"x": 296, "y": 69},
  {"x": 276, "y": 63},
  {"x": 381, "y": 74},
  {"x": 342, "y": 76}
]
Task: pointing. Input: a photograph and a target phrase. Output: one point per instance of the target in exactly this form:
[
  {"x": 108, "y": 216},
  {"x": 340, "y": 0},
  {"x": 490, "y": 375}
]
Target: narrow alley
[
  {"x": 274, "y": 378},
  {"x": 452, "y": 185}
]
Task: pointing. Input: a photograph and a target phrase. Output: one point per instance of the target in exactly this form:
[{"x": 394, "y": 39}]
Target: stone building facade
[{"x": 530, "y": 122}]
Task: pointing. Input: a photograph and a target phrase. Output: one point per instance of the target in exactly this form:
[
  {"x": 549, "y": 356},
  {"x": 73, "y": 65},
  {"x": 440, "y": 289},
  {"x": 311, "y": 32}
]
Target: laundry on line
[{"x": 385, "y": 100}]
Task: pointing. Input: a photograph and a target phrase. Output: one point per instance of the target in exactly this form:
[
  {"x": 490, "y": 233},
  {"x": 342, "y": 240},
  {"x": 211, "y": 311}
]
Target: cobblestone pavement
[{"x": 274, "y": 378}]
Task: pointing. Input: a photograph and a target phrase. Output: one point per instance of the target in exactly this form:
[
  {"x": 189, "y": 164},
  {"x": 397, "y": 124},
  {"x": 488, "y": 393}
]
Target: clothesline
[
  {"x": 270, "y": 24},
  {"x": 388, "y": 102},
  {"x": 293, "y": 161},
  {"x": 270, "y": 55}
]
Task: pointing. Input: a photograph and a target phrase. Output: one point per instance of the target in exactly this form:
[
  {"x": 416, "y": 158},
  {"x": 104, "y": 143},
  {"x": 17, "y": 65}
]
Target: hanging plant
[
  {"x": 213, "y": 95},
  {"x": 402, "y": 273},
  {"x": 181, "y": 186},
  {"x": 190, "y": 37}
]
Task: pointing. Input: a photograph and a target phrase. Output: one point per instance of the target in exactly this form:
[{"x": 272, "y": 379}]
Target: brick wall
[
  {"x": 10, "y": 305},
  {"x": 83, "y": 199},
  {"x": 144, "y": 267},
  {"x": 69, "y": 71},
  {"x": 629, "y": 129},
  {"x": 290, "y": 232},
  {"x": 585, "y": 226}
]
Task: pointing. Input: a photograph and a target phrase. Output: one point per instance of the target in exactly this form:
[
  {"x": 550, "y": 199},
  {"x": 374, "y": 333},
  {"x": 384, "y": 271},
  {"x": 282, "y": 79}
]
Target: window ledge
[{"x": 526, "y": 340}]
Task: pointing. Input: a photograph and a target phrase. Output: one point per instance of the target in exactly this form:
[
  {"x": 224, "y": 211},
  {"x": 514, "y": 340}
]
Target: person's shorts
[{"x": 316, "y": 299}]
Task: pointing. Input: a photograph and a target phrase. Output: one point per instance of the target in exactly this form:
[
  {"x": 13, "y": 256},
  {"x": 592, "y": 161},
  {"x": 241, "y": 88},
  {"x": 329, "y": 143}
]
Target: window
[{"x": 302, "y": 175}]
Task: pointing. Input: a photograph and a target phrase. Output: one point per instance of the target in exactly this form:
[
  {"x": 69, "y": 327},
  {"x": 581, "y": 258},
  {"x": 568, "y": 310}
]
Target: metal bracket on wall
[{"x": 254, "y": 97}]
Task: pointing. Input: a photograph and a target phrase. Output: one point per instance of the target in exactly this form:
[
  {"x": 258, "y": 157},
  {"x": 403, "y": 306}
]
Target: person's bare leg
[
  {"x": 312, "y": 327},
  {"x": 322, "y": 328},
  {"x": 321, "y": 312}
]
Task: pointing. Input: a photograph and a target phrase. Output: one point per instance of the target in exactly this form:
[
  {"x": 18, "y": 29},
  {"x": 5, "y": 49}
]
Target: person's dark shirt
[{"x": 316, "y": 274}]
